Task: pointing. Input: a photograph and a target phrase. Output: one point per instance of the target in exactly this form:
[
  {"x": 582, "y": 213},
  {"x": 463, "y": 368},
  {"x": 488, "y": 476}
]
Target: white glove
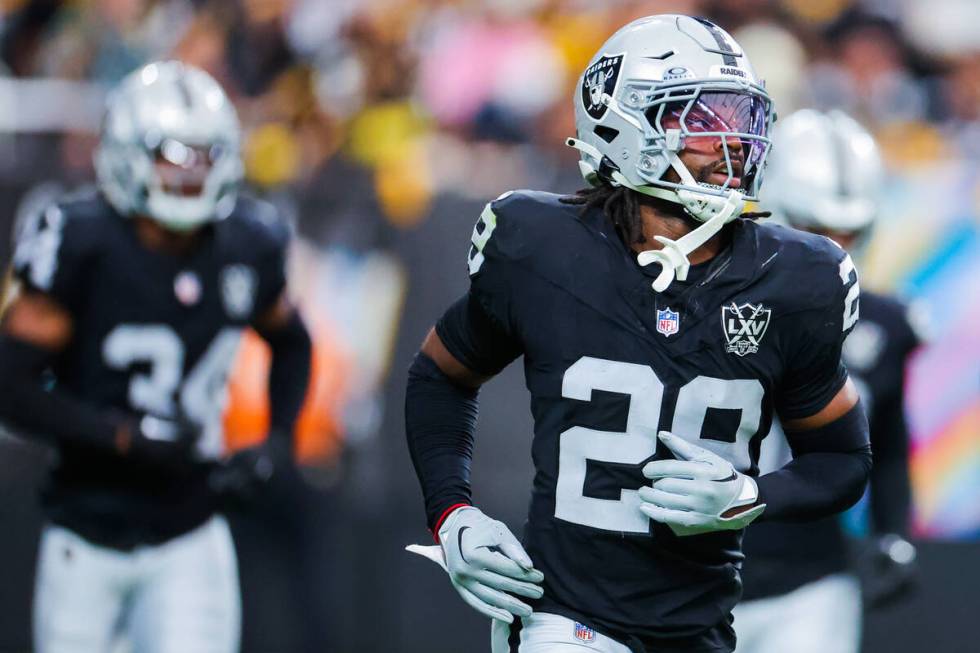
[
  {"x": 692, "y": 494},
  {"x": 485, "y": 563}
]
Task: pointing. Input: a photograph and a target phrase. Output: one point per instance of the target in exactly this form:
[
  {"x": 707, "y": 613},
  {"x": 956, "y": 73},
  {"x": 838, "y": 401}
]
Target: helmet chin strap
[
  {"x": 713, "y": 211},
  {"x": 673, "y": 256}
]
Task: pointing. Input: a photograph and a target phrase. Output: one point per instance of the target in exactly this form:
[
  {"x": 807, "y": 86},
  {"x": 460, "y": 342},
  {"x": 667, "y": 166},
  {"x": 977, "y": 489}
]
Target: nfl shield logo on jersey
[
  {"x": 668, "y": 322},
  {"x": 744, "y": 327},
  {"x": 583, "y": 633},
  {"x": 238, "y": 290}
]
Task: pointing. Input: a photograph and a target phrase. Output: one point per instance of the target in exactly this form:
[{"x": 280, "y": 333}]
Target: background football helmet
[
  {"x": 169, "y": 147},
  {"x": 825, "y": 173}
]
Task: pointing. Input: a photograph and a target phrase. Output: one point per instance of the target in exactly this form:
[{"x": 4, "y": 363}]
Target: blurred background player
[
  {"x": 129, "y": 307},
  {"x": 800, "y": 590}
]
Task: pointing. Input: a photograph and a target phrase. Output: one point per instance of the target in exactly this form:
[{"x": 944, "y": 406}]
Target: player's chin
[{"x": 720, "y": 179}]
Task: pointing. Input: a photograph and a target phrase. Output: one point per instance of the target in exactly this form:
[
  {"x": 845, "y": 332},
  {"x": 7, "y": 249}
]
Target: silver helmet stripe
[
  {"x": 185, "y": 91},
  {"x": 839, "y": 147},
  {"x": 727, "y": 54}
]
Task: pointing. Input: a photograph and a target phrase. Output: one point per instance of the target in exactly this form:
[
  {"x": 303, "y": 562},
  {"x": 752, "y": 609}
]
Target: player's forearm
[
  {"x": 828, "y": 474},
  {"x": 46, "y": 414},
  {"x": 289, "y": 374},
  {"x": 815, "y": 485},
  {"x": 440, "y": 421}
]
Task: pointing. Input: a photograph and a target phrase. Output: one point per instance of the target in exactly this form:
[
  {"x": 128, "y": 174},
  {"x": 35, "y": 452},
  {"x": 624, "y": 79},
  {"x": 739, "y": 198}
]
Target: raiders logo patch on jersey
[
  {"x": 238, "y": 290},
  {"x": 600, "y": 78},
  {"x": 744, "y": 327}
]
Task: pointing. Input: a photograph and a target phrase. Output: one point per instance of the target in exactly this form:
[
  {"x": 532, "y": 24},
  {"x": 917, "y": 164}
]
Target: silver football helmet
[
  {"x": 169, "y": 148},
  {"x": 825, "y": 173},
  {"x": 658, "y": 85}
]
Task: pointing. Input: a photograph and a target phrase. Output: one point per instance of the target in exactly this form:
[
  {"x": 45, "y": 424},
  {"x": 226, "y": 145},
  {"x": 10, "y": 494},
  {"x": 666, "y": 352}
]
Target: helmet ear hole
[{"x": 607, "y": 134}]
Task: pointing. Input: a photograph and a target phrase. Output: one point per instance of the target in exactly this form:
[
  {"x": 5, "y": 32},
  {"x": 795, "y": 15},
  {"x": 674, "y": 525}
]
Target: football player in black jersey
[
  {"x": 661, "y": 329},
  {"x": 116, "y": 349},
  {"x": 799, "y": 592}
]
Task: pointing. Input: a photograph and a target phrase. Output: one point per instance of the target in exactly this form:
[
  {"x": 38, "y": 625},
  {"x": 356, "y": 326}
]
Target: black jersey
[
  {"x": 152, "y": 333},
  {"x": 609, "y": 362},
  {"x": 780, "y": 557}
]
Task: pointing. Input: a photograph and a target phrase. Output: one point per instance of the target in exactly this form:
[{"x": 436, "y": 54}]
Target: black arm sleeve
[
  {"x": 289, "y": 375},
  {"x": 827, "y": 475},
  {"x": 891, "y": 494},
  {"x": 440, "y": 422},
  {"x": 46, "y": 414}
]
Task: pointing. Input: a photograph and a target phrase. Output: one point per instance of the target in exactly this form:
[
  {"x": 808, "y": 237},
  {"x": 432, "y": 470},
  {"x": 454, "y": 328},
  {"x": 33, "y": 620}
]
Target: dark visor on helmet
[{"x": 721, "y": 114}]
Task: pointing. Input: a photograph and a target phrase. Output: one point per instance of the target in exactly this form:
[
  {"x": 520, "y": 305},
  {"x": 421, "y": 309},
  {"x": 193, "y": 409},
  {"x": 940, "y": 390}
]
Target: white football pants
[
  {"x": 820, "y": 617},
  {"x": 549, "y": 633},
  {"x": 178, "y": 597}
]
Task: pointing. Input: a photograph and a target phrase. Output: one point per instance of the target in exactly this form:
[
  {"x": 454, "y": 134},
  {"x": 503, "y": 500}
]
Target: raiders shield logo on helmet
[
  {"x": 744, "y": 327},
  {"x": 599, "y": 78}
]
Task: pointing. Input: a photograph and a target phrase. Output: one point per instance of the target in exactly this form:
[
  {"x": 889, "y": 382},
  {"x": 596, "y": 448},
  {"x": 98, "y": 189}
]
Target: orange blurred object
[{"x": 319, "y": 431}]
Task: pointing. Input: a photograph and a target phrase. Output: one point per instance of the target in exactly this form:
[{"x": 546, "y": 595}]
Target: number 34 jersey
[
  {"x": 609, "y": 362},
  {"x": 153, "y": 333}
]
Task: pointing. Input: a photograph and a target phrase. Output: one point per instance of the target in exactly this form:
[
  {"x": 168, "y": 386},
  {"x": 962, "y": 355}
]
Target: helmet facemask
[
  {"x": 190, "y": 184},
  {"x": 698, "y": 115}
]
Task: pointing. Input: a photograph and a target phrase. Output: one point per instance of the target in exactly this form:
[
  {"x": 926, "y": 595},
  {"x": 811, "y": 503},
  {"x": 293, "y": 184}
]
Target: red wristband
[{"x": 442, "y": 518}]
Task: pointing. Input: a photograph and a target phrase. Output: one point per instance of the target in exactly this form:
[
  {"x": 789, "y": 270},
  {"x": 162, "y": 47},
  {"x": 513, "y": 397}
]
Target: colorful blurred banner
[{"x": 927, "y": 249}]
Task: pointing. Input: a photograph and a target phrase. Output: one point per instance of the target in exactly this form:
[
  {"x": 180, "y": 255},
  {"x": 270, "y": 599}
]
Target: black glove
[
  {"x": 157, "y": 441},
  {"x": 886, "y": 569},
  {"x": 247, "y": 473}
]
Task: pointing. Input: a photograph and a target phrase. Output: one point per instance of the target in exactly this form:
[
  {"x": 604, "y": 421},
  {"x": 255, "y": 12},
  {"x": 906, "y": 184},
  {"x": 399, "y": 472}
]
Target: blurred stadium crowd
[
  {"x": 400, "y": 91},
  {"x": 380, "y": 127}
]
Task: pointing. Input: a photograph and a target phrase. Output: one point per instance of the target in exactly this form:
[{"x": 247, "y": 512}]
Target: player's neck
[
  {"x": 158, "y": 238},
  {"x": 661, "y": 223}
]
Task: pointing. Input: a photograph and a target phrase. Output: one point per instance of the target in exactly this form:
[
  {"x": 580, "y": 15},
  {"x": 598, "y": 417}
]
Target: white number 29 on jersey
[
  {"x": 161, "y": 389},
  {"x": 578, "y": 445},
  {"x": 845, "y": 270}
]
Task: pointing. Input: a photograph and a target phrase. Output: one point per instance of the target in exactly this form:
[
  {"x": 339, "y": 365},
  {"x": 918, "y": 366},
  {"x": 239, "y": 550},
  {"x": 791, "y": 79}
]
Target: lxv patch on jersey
[{"x": 744, "y": 326}]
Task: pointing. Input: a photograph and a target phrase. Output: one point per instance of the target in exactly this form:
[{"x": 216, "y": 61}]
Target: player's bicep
[
  {"x": 276, "y": 316},
  {"x": 434, "y": 348},
  {"x": 842, "y": 402},
  {"x": 38, "y": 319}
]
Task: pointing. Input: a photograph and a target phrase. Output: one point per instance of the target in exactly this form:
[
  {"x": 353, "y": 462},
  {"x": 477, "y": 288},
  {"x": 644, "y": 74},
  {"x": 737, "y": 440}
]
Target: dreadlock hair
[{"x": 622, "y": 206}]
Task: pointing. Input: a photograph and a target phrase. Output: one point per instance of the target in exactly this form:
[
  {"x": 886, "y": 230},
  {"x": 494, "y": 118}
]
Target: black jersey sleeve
[
  {"x": 269, "y": 235},
  {"x": 814, "y": 371},
  {"x": 499, "y": 245},
  {"x": 52, "y": 255},
  {"x": 475, "y": 339}
]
